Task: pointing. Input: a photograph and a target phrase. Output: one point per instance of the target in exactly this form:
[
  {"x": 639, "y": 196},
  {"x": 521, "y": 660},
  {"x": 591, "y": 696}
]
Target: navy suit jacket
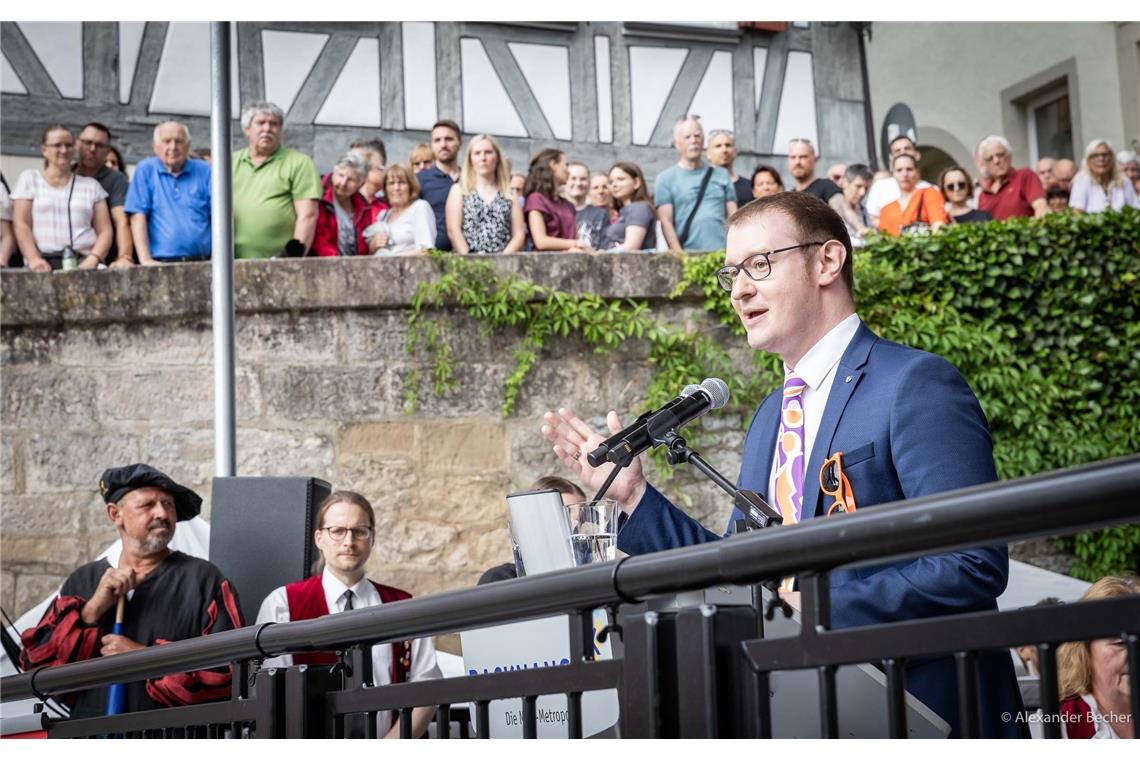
[{"x": 908, "y": 426}]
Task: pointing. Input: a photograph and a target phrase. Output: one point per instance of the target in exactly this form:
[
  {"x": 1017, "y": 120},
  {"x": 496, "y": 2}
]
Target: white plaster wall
[
  {"x": 952, "y": 75},
  {"x": 713, "y": 98},
  {"x": 796, "y": 116}
]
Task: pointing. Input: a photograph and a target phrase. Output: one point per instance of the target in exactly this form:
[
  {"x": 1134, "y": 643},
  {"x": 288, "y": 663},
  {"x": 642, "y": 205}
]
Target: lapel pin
[{"x": 847, "y": 379}]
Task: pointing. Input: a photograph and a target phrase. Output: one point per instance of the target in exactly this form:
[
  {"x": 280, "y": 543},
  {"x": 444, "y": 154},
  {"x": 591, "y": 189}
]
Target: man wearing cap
[{"x": 170, "y": 596}]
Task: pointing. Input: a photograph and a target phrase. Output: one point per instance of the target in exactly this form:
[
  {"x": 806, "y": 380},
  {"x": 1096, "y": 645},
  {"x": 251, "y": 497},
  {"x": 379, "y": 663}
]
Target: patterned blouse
[{"x": 486, "y": 226}]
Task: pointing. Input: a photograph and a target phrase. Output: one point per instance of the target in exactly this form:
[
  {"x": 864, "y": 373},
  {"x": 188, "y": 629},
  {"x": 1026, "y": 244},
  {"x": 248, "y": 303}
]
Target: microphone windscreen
[{"x": 717, "y": 391}]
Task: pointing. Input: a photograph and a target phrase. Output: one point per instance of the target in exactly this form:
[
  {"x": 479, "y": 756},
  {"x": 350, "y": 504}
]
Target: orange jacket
[{"x": 893, "y": 218}]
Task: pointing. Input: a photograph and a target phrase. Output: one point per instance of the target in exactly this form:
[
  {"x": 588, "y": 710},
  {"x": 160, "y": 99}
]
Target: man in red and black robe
[{"x": 170, "y": 596}]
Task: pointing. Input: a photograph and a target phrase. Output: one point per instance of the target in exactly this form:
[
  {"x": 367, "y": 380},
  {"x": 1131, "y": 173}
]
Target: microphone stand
[{"x": 758, "y": 514}]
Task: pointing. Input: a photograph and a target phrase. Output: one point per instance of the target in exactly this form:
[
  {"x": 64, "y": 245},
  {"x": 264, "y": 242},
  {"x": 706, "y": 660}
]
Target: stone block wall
[{"x": 105, "y": 368}]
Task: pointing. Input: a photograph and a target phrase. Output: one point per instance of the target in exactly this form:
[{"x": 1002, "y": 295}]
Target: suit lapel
[
  {"x": 769, "y": 429},
  {"x": 847, "y": 376}
]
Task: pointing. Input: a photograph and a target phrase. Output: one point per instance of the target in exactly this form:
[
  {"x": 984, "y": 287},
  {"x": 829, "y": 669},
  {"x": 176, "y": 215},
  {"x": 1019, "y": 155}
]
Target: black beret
[{"x": 117, "y": 482}]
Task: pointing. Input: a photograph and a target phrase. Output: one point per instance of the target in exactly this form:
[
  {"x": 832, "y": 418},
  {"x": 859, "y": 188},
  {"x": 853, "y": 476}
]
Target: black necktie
[{"x": 348, "y": 600}]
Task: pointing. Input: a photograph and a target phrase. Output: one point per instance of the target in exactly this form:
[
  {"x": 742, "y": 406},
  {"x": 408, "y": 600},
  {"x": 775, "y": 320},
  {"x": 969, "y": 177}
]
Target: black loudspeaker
[{"x": 261, "y": 533}]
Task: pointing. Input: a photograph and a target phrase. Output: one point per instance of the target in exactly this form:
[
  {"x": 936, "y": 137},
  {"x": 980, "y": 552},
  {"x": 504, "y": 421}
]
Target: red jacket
[
  {"x": 363, "y": 214},
  {"x": 307, "y": 602}
]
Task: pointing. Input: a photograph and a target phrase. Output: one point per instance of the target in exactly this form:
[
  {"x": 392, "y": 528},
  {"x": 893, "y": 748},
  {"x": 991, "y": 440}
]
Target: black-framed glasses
[
  {"x": 955, "y": 185},
  {"x": 94, "y": 144},
  {"x": 757, "y": 266},
  {"x": 338, "y": 532}
]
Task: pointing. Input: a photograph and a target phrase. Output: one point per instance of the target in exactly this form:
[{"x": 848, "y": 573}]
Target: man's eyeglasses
[
  {"x": 834, "y": 483},
  {"x": 93, "y": 144},
  {"x": 996, "y": 157},
  {"x": 757, "y": 266},
  {"x": 955, "y": 185},
  {"x": 338, "y": 532}
]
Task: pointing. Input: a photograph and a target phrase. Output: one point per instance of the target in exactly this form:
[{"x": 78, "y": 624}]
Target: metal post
[
  {"x": 966, "y": 664},
  {"x": 896, "y": 697},
  {"x": 1050, "y": 702},
  {"x": 864, "y": 28},
  {"x": 222, "y": 258}
]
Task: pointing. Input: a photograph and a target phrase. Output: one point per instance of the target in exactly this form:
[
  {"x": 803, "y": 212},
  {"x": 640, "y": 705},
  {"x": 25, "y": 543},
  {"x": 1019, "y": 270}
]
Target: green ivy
[
  {"x": 1040, "y": 316},
  {"x": 1043, "y": 318}
]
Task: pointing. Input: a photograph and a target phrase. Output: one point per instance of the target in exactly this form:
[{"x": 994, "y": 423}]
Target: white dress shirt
[
  {"x": 817, "y": 369},
  {"x": 275, "y": 609}
]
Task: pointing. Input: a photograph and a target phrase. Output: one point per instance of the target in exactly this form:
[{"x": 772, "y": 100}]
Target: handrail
[{"x": 1040, "y": 505}]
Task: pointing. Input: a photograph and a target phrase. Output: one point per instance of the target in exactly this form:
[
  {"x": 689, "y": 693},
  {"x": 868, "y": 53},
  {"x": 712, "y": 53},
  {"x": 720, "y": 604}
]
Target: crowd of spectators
[{"x": 465, "y": 198}]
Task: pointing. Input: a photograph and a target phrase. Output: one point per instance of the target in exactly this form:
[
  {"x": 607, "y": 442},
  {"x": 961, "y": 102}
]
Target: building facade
[
  {"x": 601, "y": 91},
  {"x": 1049, "y": 88}
]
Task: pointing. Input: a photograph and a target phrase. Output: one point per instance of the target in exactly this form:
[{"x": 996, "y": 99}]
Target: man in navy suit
[{"x": 906, "y": 422}]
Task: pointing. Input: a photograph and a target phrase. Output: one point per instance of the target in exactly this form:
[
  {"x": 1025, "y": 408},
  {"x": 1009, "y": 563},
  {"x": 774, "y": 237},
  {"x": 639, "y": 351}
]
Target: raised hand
[{"x": 573, "y": 439}]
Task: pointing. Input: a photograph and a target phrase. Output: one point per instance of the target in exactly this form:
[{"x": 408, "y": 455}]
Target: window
[{"x": 1050, "y": 125}]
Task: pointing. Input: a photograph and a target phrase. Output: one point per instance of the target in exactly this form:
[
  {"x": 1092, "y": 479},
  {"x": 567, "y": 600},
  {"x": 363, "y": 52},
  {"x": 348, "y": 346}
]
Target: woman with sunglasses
[
  {"x": 53, "y": 208},
  {"x": 918, "y": 209},
  {"x": 957, "y": 187},
  {"x": 1100, "y": 185}
]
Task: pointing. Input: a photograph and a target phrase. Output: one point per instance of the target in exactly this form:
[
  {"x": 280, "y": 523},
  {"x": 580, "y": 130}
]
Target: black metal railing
[{"x": 717, "y": 689}]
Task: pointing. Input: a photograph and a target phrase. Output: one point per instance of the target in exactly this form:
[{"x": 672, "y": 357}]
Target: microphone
[{"x": 694, "y": 401}]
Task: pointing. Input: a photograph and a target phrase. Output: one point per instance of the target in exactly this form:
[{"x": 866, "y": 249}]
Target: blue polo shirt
[
  {"x": 177, "y": 208},
  {"x": 434, "y": 187}
]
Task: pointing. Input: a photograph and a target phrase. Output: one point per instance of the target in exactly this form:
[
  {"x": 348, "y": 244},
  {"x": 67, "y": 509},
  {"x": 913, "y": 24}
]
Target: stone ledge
[{"x": 179, "y": 291}]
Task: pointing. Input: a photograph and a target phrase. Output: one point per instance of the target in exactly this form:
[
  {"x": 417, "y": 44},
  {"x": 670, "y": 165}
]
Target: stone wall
[{"x": 110, "y": 367}]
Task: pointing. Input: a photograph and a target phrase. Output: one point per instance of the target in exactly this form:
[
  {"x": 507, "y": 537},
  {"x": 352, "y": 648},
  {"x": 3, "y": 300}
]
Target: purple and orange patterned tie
[
  {"x": 790, "y": 457},
  {"x": 790, "y": 451}
]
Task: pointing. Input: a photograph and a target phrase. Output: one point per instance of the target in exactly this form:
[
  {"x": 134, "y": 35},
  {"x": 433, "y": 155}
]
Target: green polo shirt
[{"x": 263, "y": 200}]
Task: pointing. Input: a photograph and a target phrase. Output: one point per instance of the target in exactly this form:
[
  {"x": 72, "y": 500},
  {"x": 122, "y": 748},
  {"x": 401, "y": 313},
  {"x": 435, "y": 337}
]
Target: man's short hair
[
  {"x": 906, "y": 137},
  {"x": 449, "y": 124},
  {"x": 185, "y": 130},
  {"x": 859, "y": 171},
  {"x": 258, "y": 107},
  {"x": 681, "y": 122},
  {"x": 814, "y": 219},
  {"x": 562, "y": 485},
  {"x": 995, "y": 139},
  {"x": 101, "y": 127},
  {"x": 804, "y": 141},
  {"x": 375, "y": 144}
]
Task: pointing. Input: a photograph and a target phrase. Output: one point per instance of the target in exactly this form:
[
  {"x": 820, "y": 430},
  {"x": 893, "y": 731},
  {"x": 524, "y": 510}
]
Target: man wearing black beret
[{"x": 169, "y": 596}]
